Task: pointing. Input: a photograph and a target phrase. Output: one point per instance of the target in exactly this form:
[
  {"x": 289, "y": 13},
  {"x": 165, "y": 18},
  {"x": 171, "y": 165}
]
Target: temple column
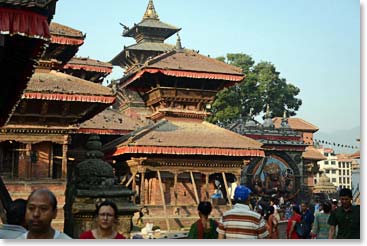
[
  {"x": 226, "y": 186},
  {"x": 142, "y": 187},
  {"x": 28, "y": 161},
  {"x": 175, "y": 175},
  {"x": 207, "y": 186},
  {"x": 64, "y": 162}
]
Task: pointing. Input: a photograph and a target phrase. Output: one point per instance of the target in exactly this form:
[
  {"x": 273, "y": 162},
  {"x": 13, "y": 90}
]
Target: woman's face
[{"x": 106, "y": 217}]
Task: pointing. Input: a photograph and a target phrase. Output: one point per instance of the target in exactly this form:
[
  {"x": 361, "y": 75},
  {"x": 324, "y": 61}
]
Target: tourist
[
  {"x": 320, "y": 227},
  {"x": 204, "y": 228},
  {"x": 346, "y": 217},
  {"x": 307, "y": 217},
  {"x": 272, "y": 222},
  {"x": 106, "y": 219},
  {"x": 334, "y": 204},
  {"x": 291, "y": 226},
  {"x": 240, "y": 222},
  {"x": 41, "y": 210},
  {"x": 15, "y": 218}
]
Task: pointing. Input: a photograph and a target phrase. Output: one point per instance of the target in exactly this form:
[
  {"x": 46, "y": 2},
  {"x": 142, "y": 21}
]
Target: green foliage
[{"x": 262, "y": 85}]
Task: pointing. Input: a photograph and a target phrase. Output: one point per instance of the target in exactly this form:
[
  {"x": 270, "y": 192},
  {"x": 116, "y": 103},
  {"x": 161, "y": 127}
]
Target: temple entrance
[{"x": 9, "y": 159}]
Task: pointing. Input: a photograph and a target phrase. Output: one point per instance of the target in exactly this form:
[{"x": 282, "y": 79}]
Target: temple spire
[
  {"x": 150, "y": 13},
  {"x": 178, "y": 43}
]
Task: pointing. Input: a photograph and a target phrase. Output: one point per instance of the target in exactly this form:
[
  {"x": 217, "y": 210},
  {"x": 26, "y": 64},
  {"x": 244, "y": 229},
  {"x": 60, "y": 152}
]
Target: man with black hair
[
  {"x": 15, "y": 217},
  {"x": 204, "y": 228},
  {"x": 307, "y": 218},
  {"x": 41, "y": 210},
  {"x": 241, "y": 222},
  {"x": 346, "y": 217}
]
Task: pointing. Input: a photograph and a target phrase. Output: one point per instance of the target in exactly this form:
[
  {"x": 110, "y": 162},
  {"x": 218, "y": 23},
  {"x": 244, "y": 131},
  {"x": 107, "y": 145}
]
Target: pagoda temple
[
  {"x": 34, "y": 143},
  {"x": 179, "y": 159},
  {"x": 24, "y": 34}
]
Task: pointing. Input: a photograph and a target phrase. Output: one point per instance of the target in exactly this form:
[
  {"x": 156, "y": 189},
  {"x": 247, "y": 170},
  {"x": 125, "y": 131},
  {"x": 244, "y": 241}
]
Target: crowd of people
[{"x": 32, "y": 218}]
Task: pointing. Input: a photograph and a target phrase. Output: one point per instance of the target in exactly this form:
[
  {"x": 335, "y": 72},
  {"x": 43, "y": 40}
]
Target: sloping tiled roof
[
  {"x": 296, "y": 124},
  {"x": 56, "y": 82},
  {"x": 192, "y": 61},
  {"x": 356, "y": 155},
  {"x": 89, "y": 62},
  {"x": 151, "y": 46},
  {"x": 112, "y": 120},
  {"x": 28, "y": 3},
  {"x": 312, "y": 153},
  {"x": 156, "y": 24},
  {"x": 151, "y": 23},
  {"x": 62, "y": 30},
  {"x": 194, "y": 134}
]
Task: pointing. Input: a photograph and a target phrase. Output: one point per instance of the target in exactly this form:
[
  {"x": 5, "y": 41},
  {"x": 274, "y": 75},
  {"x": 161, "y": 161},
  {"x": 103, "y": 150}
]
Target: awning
[
  {"x": 66, "y": 40},
  {"x": 88, "y": 68},
  {"x": 70, "y": 98},
  {"x": 187, "y": 74},
  {"x": 24, "y": 23},
  {"x": 186, "y": 151}
]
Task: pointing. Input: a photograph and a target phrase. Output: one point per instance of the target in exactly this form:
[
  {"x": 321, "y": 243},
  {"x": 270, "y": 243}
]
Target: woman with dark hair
[
  {"x": 272, "y": 223},
  {"x": 320, "y": 227},
  {"x": 291, "y": 226},
  {"x": 106, "y": 219},
  {"x": 204, "y": 228}
]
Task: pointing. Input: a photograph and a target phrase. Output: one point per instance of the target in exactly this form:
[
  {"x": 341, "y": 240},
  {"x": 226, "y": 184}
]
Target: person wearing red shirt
[
  {"x": 106, "y": 218},
  {"x": 291, "y": 226}
]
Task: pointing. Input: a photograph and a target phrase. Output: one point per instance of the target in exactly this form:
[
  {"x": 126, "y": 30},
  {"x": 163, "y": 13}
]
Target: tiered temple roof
[
  {"x": 88, "y": 69},
  {"x": 149, "y": 35},
  {"x": 296, "y": 124},
  {"x": 24, "y": 32},
  {"x": 177, "y": 137}
]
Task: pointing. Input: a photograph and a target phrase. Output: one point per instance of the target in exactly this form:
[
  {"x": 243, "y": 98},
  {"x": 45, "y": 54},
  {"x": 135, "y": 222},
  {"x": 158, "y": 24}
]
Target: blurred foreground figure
[
  {"x": 204, "y": 228},
  {"x": 15, "y": 218},
  {"x": 41, "y": 210},
  {"x": 241, "y": 222}
]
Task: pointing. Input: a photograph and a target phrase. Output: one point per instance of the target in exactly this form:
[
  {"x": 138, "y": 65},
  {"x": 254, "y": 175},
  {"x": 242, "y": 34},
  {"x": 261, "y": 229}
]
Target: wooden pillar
[
  {"x": 51, "y": 161},
  {"x": 142, "y": 188},
  {"x": 195, "y": 190},
  {"x": 133, "y": 186},
  {"x": 28, "y": 161},
  {"x": 226, "y": 185},
  {"x": 64, "y": 162},
  {"x": 175, "y": 174},
  {"x": 207, "y": 186},
  {"x": 163, "y": 200}
]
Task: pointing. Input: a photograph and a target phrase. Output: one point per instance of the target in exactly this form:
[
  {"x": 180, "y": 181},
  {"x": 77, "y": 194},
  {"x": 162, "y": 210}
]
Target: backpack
[{"x": 301, "y": 229}]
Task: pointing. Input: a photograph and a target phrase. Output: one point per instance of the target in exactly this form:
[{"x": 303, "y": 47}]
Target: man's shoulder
[
  {"x": 62, "y": 235},
  {"x": 11, "y": 231}
]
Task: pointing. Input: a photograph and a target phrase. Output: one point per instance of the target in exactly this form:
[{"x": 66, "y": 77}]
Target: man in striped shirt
[{"x": 240, "y": 222}]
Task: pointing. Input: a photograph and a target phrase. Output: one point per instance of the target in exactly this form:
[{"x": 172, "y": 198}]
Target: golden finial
[{"x": 150, "y": 13}]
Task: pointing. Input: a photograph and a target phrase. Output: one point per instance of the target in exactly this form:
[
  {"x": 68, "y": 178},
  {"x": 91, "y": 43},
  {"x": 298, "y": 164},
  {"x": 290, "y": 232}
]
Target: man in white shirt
[
  {"x": 15, "y": 220},
  {"x": 41, "y": 210}
]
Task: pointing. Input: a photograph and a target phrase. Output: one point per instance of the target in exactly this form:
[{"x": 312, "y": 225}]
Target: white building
[{"x": 337, "y": 167}]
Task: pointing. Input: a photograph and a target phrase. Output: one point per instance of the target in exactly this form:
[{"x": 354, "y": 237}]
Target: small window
[
  {"x": 332, "y": 162},
  {"x": 333, "y": 180},
  {"x": 326, "y": 162},
  {"x": 333, "y": 171},
  {"x": 327, "y": 171}
]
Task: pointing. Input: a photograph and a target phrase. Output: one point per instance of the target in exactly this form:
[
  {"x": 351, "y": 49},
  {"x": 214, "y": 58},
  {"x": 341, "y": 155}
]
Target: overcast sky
[{"x": 314, "y": 44}]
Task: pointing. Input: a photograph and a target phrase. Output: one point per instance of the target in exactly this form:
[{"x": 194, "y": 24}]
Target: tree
[{"x": 262, "y": 86}]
